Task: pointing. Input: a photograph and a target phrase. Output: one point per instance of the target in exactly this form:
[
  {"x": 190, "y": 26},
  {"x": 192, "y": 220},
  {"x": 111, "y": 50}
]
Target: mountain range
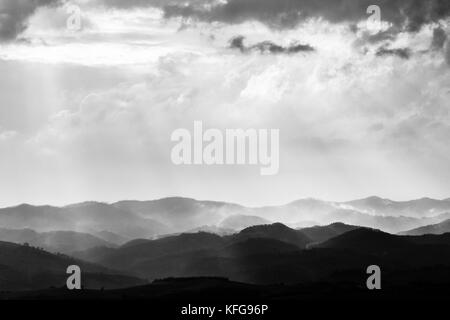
[
  {"x": 276, "y": 254},
  {"x": 125, "y": 220},
  {"x": 128, "y": 243},
  {"x": 264, "y": 255}
]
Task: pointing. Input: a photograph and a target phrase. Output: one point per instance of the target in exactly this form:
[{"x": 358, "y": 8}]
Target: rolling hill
[
  {"x": 323, "y": 233},
  {"x": 54, "y": 241},
  {"x": 26, "y": 268},
  {"x": 439, "y": 228}
]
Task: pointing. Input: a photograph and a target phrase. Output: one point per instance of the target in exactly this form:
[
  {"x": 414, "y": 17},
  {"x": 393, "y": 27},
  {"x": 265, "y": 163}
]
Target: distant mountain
[
  {"x": 297, "y": 212},
  {"x": 371, "y": 212},
  {"x": 101, "y": 216},
  {"x": 439, "y": 228},
  {"x": 89, "y": 217},
  {"x": 181, "y": 214},
  {"x": 125, "y": 220},
  {"x": 54, "y": 241},
  {"x": 386, "y": 223},
  {"x": 27, "y": 268},
  {"x": 239, "y": 222},
  {"x": 419, "y": 208}
]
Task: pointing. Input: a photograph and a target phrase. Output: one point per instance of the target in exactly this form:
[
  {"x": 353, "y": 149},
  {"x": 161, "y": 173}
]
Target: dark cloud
[
  {"x": 373, "y": 38},
  {"x": 14, "y": 16},
  {"x": 408, "y": 14},
  {"x": 447, "y": 52},
  {"x": 387, "y": 35},
  {"x": 404, "y": 53},
  {"x": 125, "y": 4},
  {"x": 439, "y": 38},
  {"x": 269, "y": 47},
  {"x": 238, "y": 43}
]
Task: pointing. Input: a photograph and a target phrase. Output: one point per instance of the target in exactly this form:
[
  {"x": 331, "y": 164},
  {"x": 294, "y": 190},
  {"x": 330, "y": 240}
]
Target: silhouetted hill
[
  {"x": 258, "y": 246},
  {"x": 430, "y": 239},
  {"x": 366, "y": 240},
  {"x": 133, "y": 253},
  {"x": 393, "y": 250},
  {"x": 276, "y": 231},
  {"x": 27, "y": 268},
  {"x": 323, "y": 233},
  {"x": 259, "y": 254},
  {"x": 275, "y": 254}
]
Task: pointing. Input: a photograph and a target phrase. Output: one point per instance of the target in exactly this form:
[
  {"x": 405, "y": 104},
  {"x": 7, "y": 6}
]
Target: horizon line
[{"x": 219, "y": 201}]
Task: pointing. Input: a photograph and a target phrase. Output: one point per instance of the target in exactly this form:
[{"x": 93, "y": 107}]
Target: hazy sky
[{"x": 88, "y": 115}]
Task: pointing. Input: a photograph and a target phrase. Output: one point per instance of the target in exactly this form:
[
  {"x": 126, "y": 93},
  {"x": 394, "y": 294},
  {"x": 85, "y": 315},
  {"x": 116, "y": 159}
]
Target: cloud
[
  {"x": 408, "y": 14},
  {"x": 14, "y": 16},
  {"x": 447, "y": 52},
  {"x": 152, "y": 3},
  {"x": 404, "y": 53},
  {"x": 346, "y": 120},
  {"x": 7, "y": 135},
  {"x": 269, "y": 47},
  {"x": 238, "y": 43},
  {"x": 372, "y": 38},
  {"x": 439, "y": 38}
]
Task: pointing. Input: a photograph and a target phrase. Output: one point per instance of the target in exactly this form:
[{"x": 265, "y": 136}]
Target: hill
[
  {"x": 439, "y": 228},
  {"x": 54, "y": 241},
  {"x": 27, "y": 268},
  {"x": 323, "y": 233}
]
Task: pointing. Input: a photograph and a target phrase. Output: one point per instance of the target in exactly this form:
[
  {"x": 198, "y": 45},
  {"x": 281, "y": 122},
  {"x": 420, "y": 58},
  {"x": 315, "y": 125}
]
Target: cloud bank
[
  {"x": 408, "y": 14},
  {"x": 14, "y": 15}
]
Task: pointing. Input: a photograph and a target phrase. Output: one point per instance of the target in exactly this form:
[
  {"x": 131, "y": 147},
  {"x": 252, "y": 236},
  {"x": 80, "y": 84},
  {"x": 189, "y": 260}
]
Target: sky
[{"x": 87, "y": 114}]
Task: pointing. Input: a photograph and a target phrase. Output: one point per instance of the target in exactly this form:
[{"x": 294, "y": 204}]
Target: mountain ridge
[{"x": 131, "y": 219}]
